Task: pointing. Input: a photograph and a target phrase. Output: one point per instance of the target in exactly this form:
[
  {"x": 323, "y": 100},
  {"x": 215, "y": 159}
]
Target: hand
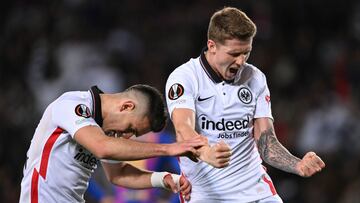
[
  {"x": 187, "y": 148},
  {"x": 181, "y": 185},
  {"x": 309, "y": 165},
  {"x": 218, "y": 155}
]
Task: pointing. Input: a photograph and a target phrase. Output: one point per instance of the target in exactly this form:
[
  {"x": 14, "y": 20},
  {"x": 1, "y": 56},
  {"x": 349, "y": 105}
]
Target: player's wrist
[
  {"x": 165, "y": 150},
  {"x": 297, "y": 168},
  {"x": 158, "y": 179}
]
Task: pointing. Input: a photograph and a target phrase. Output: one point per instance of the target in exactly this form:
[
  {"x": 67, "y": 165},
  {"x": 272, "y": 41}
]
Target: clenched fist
[
  {"x": 217, "y": 155},
  {"x": 309, "y": 165},
  {"x": 177, "y": 183}
]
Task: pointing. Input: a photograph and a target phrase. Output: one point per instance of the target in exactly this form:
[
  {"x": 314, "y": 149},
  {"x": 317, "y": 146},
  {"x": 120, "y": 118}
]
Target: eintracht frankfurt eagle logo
[
  {"x": 245, "y": 95},
  {"x": 176, "y": 90}
]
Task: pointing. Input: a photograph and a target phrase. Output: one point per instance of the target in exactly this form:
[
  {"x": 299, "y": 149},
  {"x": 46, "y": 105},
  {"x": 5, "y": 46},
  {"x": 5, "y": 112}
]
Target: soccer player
[
  {"x": 81, "y": 127},
  {"x": 220, "y": 96}
]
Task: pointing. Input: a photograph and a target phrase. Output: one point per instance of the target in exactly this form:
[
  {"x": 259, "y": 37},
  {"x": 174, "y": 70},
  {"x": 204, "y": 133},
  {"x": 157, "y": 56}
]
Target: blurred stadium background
[{"x": 309, "y": 51}]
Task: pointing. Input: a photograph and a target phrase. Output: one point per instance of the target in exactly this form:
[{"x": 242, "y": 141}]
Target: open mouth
[{"x": 233, "y": 70}]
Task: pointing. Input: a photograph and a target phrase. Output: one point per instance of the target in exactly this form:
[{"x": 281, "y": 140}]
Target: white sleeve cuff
[{"x": 157, "y": 179}]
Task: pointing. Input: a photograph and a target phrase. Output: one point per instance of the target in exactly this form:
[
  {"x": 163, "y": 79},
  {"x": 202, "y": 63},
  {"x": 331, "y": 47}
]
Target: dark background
[{"x": 309, "y": 51}]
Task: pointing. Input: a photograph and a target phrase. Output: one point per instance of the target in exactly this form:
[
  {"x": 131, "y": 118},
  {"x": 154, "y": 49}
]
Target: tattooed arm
[{"x": 275, "y": 154}]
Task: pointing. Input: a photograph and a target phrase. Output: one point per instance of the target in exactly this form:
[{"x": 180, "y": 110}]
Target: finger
[
  {"x": 185, "y": 188},
  {"x": 316, "y": 163},
  {"x": 194, "y": 143},
  {"x": 201, "y": 139},
  {"x": 312, "y": 161},
  {"x": 311, "y": 164},
  {"x": 223, "y": 155},
  {"x": 184, "y": 183},
  {"x": 223, "y": 144},
  {"x": 320, "y": 162},
  {"x": 224, "y": 160},
  {"x": 309, "y": 155},
  {"x": 222, "y": 147},
  {"x": 187, "y": 197},
  {"x": 306, "y": 171},
  {"x": 221, "y": 164},
  {"x": 311, "y": 171},
  {"x": 219, "y": 148},
  {"x": 170, "y": 183}
]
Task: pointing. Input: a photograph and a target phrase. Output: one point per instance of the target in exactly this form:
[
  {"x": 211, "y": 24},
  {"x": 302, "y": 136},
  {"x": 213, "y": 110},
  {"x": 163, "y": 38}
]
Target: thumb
[
  {"x": 222, "y": 142},
  {"x": 170, "y": 184},
  {"x": 223, "y": 145}
]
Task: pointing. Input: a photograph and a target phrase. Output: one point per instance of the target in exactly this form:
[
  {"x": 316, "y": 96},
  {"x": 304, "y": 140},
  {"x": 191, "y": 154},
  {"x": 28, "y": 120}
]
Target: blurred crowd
[{"x": 309, "y": 51}]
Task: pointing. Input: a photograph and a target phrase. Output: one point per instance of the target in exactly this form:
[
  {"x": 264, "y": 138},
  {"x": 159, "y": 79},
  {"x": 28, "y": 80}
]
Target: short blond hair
[{"x": 230, "y": 23}]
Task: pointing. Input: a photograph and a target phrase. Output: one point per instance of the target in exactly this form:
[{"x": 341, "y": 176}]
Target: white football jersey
[
  {"x": 58, "y": 169},
  {"x": 224, "y": 111}
]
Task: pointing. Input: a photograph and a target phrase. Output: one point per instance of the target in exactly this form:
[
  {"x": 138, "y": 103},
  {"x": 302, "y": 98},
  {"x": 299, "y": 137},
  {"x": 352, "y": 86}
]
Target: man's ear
[
  {"x": 127, "y": 106},
  {"x": 211, "y": 46}
]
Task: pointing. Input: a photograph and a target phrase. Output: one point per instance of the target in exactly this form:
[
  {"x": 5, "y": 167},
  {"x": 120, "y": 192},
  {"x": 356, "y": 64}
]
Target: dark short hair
[{"x": 155, "y": 111}]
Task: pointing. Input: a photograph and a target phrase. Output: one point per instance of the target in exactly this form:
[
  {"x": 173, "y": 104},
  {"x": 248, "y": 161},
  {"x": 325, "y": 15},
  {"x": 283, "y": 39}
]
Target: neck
[
  {"x": 209, "y": 59},
  {"x": 104, "y": 104}
]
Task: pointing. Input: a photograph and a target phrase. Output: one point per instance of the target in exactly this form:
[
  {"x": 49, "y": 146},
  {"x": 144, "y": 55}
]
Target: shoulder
[
  {"x": 256, "y": 71},
  {"x": 253, "y": 73},
  {"x": 74, "y": 99},
  {"x": 187, "y": 68},
  {"x": 74, "y": 96}
]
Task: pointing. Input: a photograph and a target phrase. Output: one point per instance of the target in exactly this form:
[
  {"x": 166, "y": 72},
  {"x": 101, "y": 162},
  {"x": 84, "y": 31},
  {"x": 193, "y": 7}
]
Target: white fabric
[
  {"x": 66, "y": 175},
  {"x": 222, "y": 115},
  {"x": 157, "y": 179}
]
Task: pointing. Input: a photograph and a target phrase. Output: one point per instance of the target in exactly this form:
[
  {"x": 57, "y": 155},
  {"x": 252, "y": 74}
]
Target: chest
[{"x": 224, "y": 100}]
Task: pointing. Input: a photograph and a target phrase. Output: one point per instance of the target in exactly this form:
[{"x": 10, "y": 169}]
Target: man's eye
[{"x": 112, "y": 133}]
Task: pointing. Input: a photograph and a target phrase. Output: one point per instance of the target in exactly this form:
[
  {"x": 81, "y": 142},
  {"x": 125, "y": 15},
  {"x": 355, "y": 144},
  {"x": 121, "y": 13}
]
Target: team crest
[
  {"x": 82, "y": 110},
  {"x": 176, "y": 90},
  {"x": 245, "y": 95}
]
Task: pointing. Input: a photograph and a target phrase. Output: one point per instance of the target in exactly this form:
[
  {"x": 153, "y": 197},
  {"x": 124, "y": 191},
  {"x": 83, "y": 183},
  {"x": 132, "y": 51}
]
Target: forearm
[
  {"x": 127, "y": 150},
  {"x": 274, "y": 153},
  {"x": 130, "y": 177},
  {"x": 186, "y": 132},
  {"x": 105, "y": 147}
]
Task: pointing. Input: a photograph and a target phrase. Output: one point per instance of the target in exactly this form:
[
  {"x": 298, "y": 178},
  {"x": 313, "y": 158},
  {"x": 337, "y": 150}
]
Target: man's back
[{"x": 57, "y": 168}]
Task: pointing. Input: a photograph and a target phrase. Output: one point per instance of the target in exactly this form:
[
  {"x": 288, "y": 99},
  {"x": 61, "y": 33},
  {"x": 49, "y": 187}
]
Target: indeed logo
[
  {"x": 86, "y": 158},
  {"x": 223, "y": 125}
]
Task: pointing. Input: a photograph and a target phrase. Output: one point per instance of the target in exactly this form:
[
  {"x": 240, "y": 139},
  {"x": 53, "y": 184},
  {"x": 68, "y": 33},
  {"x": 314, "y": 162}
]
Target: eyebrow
[{"x": 239, "y": 52}]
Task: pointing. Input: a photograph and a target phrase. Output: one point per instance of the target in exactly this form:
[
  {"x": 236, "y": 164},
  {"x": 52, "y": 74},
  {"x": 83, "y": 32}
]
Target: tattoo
[{"x": 274, "y": 153}]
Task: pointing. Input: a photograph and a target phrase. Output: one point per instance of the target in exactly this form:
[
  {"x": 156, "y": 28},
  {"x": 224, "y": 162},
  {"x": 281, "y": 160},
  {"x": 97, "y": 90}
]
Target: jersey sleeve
[
  {"x": 263, "y": 103},
  {"x": 72, "y": 115},
  {"x": 180, "y": 90}
]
